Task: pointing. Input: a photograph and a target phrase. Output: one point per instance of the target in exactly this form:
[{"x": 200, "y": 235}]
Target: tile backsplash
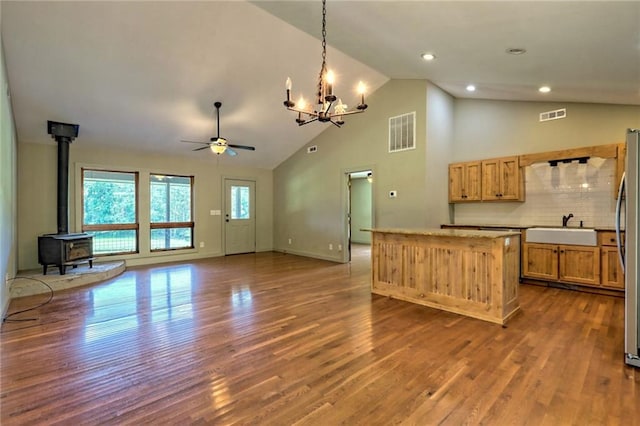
[{"x": 586, "y": 190}]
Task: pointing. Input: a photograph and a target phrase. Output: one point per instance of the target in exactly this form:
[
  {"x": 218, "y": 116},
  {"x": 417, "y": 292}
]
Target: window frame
[
  {"x": 173, "y": 225},
  {"x": 112, "y": 226}
]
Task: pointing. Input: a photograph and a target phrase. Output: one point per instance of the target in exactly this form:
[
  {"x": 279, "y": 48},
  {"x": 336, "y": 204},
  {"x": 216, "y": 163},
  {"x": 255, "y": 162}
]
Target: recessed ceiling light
[
  {"x": 544, "y": 89},
  {"x": 516, "y": 50},
  {"x": 471, "y": 88},
  {"x": 428, "y": 56}
]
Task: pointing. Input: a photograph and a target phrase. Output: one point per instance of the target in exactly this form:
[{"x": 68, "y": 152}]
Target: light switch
[{"x": 215, "y": 212}]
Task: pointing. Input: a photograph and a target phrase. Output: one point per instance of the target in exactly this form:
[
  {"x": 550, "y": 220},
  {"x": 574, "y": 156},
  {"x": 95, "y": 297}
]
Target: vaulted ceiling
[{"x": 144, "y": 75}]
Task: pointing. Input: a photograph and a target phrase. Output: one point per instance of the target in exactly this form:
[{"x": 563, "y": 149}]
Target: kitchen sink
[{"x": 572, "y": 236}]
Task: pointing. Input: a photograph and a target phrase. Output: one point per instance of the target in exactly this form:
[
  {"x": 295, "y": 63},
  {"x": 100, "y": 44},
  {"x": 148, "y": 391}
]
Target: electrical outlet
[
  {"x": 330, "y": 246},
  {"x": 289, "y": 241},
  {"x": 201, "y": 244}
]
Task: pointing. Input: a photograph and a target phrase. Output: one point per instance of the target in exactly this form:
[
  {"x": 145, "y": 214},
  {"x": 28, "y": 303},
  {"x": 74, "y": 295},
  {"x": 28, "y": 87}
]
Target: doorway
[
  {"x": 239, "y": 216},
  {"x": 359, "y": 210}
]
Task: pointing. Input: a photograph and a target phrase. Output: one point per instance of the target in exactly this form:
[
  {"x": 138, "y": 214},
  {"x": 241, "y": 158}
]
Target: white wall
[
  {"x": 8, "y": 189},
  {"x": 37, "y": 203}
]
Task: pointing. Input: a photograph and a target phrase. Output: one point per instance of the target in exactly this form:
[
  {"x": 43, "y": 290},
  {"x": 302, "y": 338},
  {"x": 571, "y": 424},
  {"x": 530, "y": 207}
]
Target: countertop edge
[{"x": 437, "y": 232}]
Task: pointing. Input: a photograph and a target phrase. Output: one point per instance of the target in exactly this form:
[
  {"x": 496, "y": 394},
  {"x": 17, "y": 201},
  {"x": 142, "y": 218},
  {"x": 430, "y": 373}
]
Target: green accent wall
[
  {"x": 310, "y": 196},
  {"x": 8, "y": 188},
  {"x": 486, "y": 129},
  {"x": 361, "y": 204}
]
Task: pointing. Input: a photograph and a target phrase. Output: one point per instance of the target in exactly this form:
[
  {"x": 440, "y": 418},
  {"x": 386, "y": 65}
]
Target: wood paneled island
[{"x": 473, "y": 273}]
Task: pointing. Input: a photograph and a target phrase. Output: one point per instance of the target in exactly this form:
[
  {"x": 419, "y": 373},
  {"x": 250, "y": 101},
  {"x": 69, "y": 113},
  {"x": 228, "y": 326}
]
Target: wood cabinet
[
  {"x": 610, "y": 269},
  {"x": 540, "y": 261},
  {"x": 465, "y": 181},
  {"x": 501, "y": 180},
  {"x": 579, "y": 264},
  {"x": 472, "y": 273},
  {"x": 612, "y": 275},
  {"x": 566, "y": 263},
  {"x": 498, "y": 179}
]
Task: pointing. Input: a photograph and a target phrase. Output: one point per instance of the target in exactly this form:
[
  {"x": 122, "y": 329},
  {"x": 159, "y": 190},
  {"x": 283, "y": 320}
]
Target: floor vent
[
  {"x": 553, "y": 115},
  {"x": 402, "y": 132}
]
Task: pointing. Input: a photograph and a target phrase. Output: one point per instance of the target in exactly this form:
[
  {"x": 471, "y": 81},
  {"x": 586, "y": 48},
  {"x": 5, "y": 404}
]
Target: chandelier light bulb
[
  {"x": 288, "y": 83},
  {"x": 330, "y": 78}
]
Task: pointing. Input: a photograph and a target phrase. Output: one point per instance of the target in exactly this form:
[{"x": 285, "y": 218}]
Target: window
[
  {"x": 240, "y": 202},
  {"x": 171, "y": 212},
  {"x": 109, "y": 210}
]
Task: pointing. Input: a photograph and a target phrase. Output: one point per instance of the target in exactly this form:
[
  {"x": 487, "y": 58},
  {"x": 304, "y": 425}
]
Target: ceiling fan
[{"x": 218, "y": 144}]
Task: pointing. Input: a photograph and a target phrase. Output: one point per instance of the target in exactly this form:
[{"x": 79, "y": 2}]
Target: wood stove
[{"x": 64, "y": 249}]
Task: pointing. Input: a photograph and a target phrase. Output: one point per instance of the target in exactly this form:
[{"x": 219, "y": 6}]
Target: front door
[{"x": 240, "y": 216}]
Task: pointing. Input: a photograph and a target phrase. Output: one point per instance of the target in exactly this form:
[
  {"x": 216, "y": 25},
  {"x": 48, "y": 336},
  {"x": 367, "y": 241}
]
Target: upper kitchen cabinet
[
  {"x": 502, "y": 180},
  {"x": 498, "y": 179},
  {"x": 465, "y": 181}
]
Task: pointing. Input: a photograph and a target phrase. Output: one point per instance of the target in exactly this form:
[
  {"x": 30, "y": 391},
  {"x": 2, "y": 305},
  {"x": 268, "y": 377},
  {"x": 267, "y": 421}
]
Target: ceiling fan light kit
[{"x": 326, "y": 97}]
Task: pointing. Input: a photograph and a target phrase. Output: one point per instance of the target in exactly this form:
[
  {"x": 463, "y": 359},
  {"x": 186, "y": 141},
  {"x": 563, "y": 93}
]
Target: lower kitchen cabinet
[
  {"x": 579, "y": 264},
  {"x": 566, "y": 263},
  {"x": 540, "y": 261},
  {"x": 612, "y": 275}
]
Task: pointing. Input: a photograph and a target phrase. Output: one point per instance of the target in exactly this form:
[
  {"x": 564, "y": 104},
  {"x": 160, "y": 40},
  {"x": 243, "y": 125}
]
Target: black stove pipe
[{"x": 63, "y": 184}]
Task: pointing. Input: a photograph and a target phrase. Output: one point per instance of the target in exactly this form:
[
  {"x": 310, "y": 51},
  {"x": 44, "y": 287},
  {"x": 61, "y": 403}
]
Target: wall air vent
[
  {"x": 402, "y": 132},
  {"x": 312, "y": 149},
  {"x": 553, "y": 115}
]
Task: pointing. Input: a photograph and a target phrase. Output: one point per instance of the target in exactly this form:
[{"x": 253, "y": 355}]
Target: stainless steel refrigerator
[{"x": 627, "y": 206}]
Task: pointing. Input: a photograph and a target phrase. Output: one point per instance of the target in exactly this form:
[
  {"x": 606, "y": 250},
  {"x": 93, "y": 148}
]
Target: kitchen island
[{"x": 468, "y": 272}]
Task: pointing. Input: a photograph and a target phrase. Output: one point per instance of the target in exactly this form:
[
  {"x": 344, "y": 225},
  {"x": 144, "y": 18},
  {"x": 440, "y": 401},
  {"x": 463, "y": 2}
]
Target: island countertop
[{"x": 436, "y": 232}]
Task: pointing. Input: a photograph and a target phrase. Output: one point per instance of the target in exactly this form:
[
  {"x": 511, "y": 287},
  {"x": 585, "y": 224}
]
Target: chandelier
[{"x": 325, "y": 97}]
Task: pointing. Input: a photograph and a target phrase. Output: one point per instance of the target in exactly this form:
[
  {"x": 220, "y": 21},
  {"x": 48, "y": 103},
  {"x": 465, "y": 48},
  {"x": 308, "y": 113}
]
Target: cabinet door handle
[
  {"x": 561, "y": 251},
  {"x": 555, "y": 251}
]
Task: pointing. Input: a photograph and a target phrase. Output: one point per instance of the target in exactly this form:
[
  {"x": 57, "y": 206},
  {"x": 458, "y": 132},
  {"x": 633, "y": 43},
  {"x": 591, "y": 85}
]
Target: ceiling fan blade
[
  {"x": 247, "y": 147},
  {"x": 230, "y": 152},
  {"x": 201, "y": 148},
  {"x": 186, "y": 141}
]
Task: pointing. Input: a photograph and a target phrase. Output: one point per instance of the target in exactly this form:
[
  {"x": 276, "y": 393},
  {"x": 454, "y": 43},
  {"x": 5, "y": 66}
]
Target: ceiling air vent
[
  {"x": 553, "y": 115},
  {"x": 402, "y": 132}
]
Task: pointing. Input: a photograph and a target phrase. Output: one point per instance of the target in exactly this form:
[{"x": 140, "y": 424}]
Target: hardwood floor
[{"x": 277, "y": 339}]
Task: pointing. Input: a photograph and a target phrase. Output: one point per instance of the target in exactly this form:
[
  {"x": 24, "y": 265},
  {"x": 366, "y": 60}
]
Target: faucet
[{"x": 565, "y": 220}]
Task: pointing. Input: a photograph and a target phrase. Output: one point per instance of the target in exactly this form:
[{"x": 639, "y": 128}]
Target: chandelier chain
[{"x": 323, "y": 68}]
